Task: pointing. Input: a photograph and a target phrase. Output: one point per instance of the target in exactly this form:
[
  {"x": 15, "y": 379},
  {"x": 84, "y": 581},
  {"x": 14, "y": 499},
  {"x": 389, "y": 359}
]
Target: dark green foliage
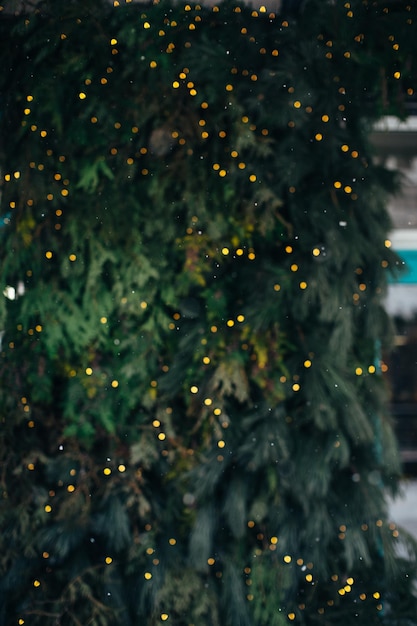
[{"x": 194, "y": 420}]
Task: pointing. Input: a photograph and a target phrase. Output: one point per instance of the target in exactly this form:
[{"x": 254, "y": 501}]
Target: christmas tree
[{"x": 194, "y": 255}]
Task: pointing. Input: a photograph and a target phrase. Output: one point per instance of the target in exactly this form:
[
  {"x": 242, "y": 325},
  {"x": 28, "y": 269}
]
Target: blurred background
[{"x": 396, "y": 146}]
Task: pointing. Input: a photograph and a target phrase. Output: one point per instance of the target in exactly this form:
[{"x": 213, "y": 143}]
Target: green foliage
[{"x": 194, "y": 420}]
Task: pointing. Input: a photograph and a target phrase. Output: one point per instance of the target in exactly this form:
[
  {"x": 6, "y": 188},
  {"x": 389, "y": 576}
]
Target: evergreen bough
[{"x": 194, "y": 423}]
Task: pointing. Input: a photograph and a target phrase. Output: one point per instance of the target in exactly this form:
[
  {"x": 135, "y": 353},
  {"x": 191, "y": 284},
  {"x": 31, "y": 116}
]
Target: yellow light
[
  {"x": 221, "y": 443},
  {"x": 229, "y": 87},
  {"x": 358, "y": 371},
  {"x": 82, "y": 95},
  {"x": 325, "y": 118},
  {"x": 318, "y": 137},
  {"x": 337, "y": 184},
  {"x": 344, "y": 148},
  {"x": 297, "y": 104},
  {"x": 225, "y": 251},
  {"x": 70, "y": 488},
  {"x": 194, "y": 389},
  {"x": 240, "y": 318},
  {"x": 296, "y": 387},
  {"x": 376, "y": 595},
  {"x": 48, "y": 508},
  {"x": 307, "y": 363},
  {"x": 103, "y": 320},
  {"x": 88, "y": 371},
  {"x": 143, "y": 305},
  {"x": 252, "y": 178},
  {"x": 208, "y": 401},
  {"x": 164, "y": 617},
  {"x": 107, "y": 471},
  {"x": 206, "y": 360},
  {"x": 162, "y": 436},
  {"x": 108, "y": 560},
  {"x": 397, "y": 75},
  {"x": 146, "y": 25},
  {"x": 147, "y": 575},
  {"x": 309, "y": 578},
  {"x": 291, "y": 616},
  {"x": 114, "y": 383},
  {"x": 72, "y": 257},
  {"x": 113, "y": 42},
  {"x": 294, "y": 267},
  {"x": 175, "y": 84},
  {"x": 48, "y": 254},
  {"x": 217, "y": 411},
  {"x": 230, "y": 323},
  {"x": 372, "y": 369},
  {"x": 388, "y": 243},
  {"x": 36, "y": 583},
  {"x": 274, "y": 540},
  {"x": 211, "y": 561},
  {"x": 348, "y": 189},
  {"x": 172, "y": 541},
  {"x": 121, "y": 468}
]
